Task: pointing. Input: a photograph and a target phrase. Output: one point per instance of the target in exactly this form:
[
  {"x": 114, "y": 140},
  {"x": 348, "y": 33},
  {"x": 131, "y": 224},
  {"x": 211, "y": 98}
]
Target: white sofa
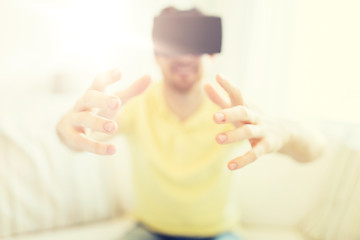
[{"x": 49, "y": 192}]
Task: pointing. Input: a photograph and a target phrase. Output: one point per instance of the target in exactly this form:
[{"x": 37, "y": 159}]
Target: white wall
[{"x": 325, "y": 74}]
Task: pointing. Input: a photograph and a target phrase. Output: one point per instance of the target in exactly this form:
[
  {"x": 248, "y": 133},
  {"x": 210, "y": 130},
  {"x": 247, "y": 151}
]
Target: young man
[{"x": 182, "y": 185}]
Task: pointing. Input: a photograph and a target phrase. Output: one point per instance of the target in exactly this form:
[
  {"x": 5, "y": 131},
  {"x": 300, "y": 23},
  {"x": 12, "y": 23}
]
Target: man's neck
[{"x": 184, "y": 104}]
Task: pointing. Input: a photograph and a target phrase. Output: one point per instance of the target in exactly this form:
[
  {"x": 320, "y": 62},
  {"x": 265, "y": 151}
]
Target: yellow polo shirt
[{"x": 182, "y": 184}]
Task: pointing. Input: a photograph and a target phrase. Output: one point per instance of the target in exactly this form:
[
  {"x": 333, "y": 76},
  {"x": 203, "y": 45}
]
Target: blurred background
[
  {"x": 293, "y": 58},
  {"x": 297, "y": 59}
]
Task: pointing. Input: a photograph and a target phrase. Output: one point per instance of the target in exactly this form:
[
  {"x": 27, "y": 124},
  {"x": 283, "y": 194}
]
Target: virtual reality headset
[{"x": 179, "y": 35}]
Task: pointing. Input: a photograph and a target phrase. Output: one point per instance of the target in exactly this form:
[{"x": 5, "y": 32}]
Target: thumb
[
  {"x": 215, "y": 96},
  {"x": 136, "y": 88},
  {"x": 102, "y": 81},
  {"x": 234, "y": 93}
]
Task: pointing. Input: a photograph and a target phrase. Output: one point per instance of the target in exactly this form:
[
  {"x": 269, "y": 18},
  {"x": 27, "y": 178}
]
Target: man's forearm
[{"x": 304, "y": 143}]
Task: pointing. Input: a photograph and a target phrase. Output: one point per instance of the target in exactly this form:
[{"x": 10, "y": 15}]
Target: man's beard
[{"x": 181, "y": 87}]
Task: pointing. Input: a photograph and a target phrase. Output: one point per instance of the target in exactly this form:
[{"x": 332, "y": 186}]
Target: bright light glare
[{"x": 95, "y": 29}]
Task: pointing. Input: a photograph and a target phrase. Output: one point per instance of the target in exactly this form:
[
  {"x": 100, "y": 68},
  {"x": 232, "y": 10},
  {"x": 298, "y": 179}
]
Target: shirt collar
[{"x": 203, "y": 113}]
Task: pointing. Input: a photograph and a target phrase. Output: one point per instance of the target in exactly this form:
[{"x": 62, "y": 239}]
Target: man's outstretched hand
[
  {"x": 95, "y": 111},
  {"x": 264, "y": 134}
]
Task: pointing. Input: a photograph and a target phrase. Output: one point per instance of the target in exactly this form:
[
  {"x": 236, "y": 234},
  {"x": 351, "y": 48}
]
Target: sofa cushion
[
  {"x": 44, "y": 185},
  {"x": 256, "y": 232},
  {"x": 278, "y": 191},
  {"x": 111, "y": 229},
  {"x": 336, "y": 214}
]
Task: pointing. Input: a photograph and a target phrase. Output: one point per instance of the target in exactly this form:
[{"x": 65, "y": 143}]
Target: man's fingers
[
  {"x": 234, "y": 93},
  {"x": 95, "y": 99},
  {"x": 102, "y": 81},
  {"x": 215, "y": 96},
  {"x": 258, "y": 150},
  {"x": 135, "y": 89},
  {"x": 246, "y": 131},
  {"x": 94, "y": 122},
  {"x": 236, "y": 114},
  {"x": 81, "y": 142},
  {"x": 242, "y": 161}
]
